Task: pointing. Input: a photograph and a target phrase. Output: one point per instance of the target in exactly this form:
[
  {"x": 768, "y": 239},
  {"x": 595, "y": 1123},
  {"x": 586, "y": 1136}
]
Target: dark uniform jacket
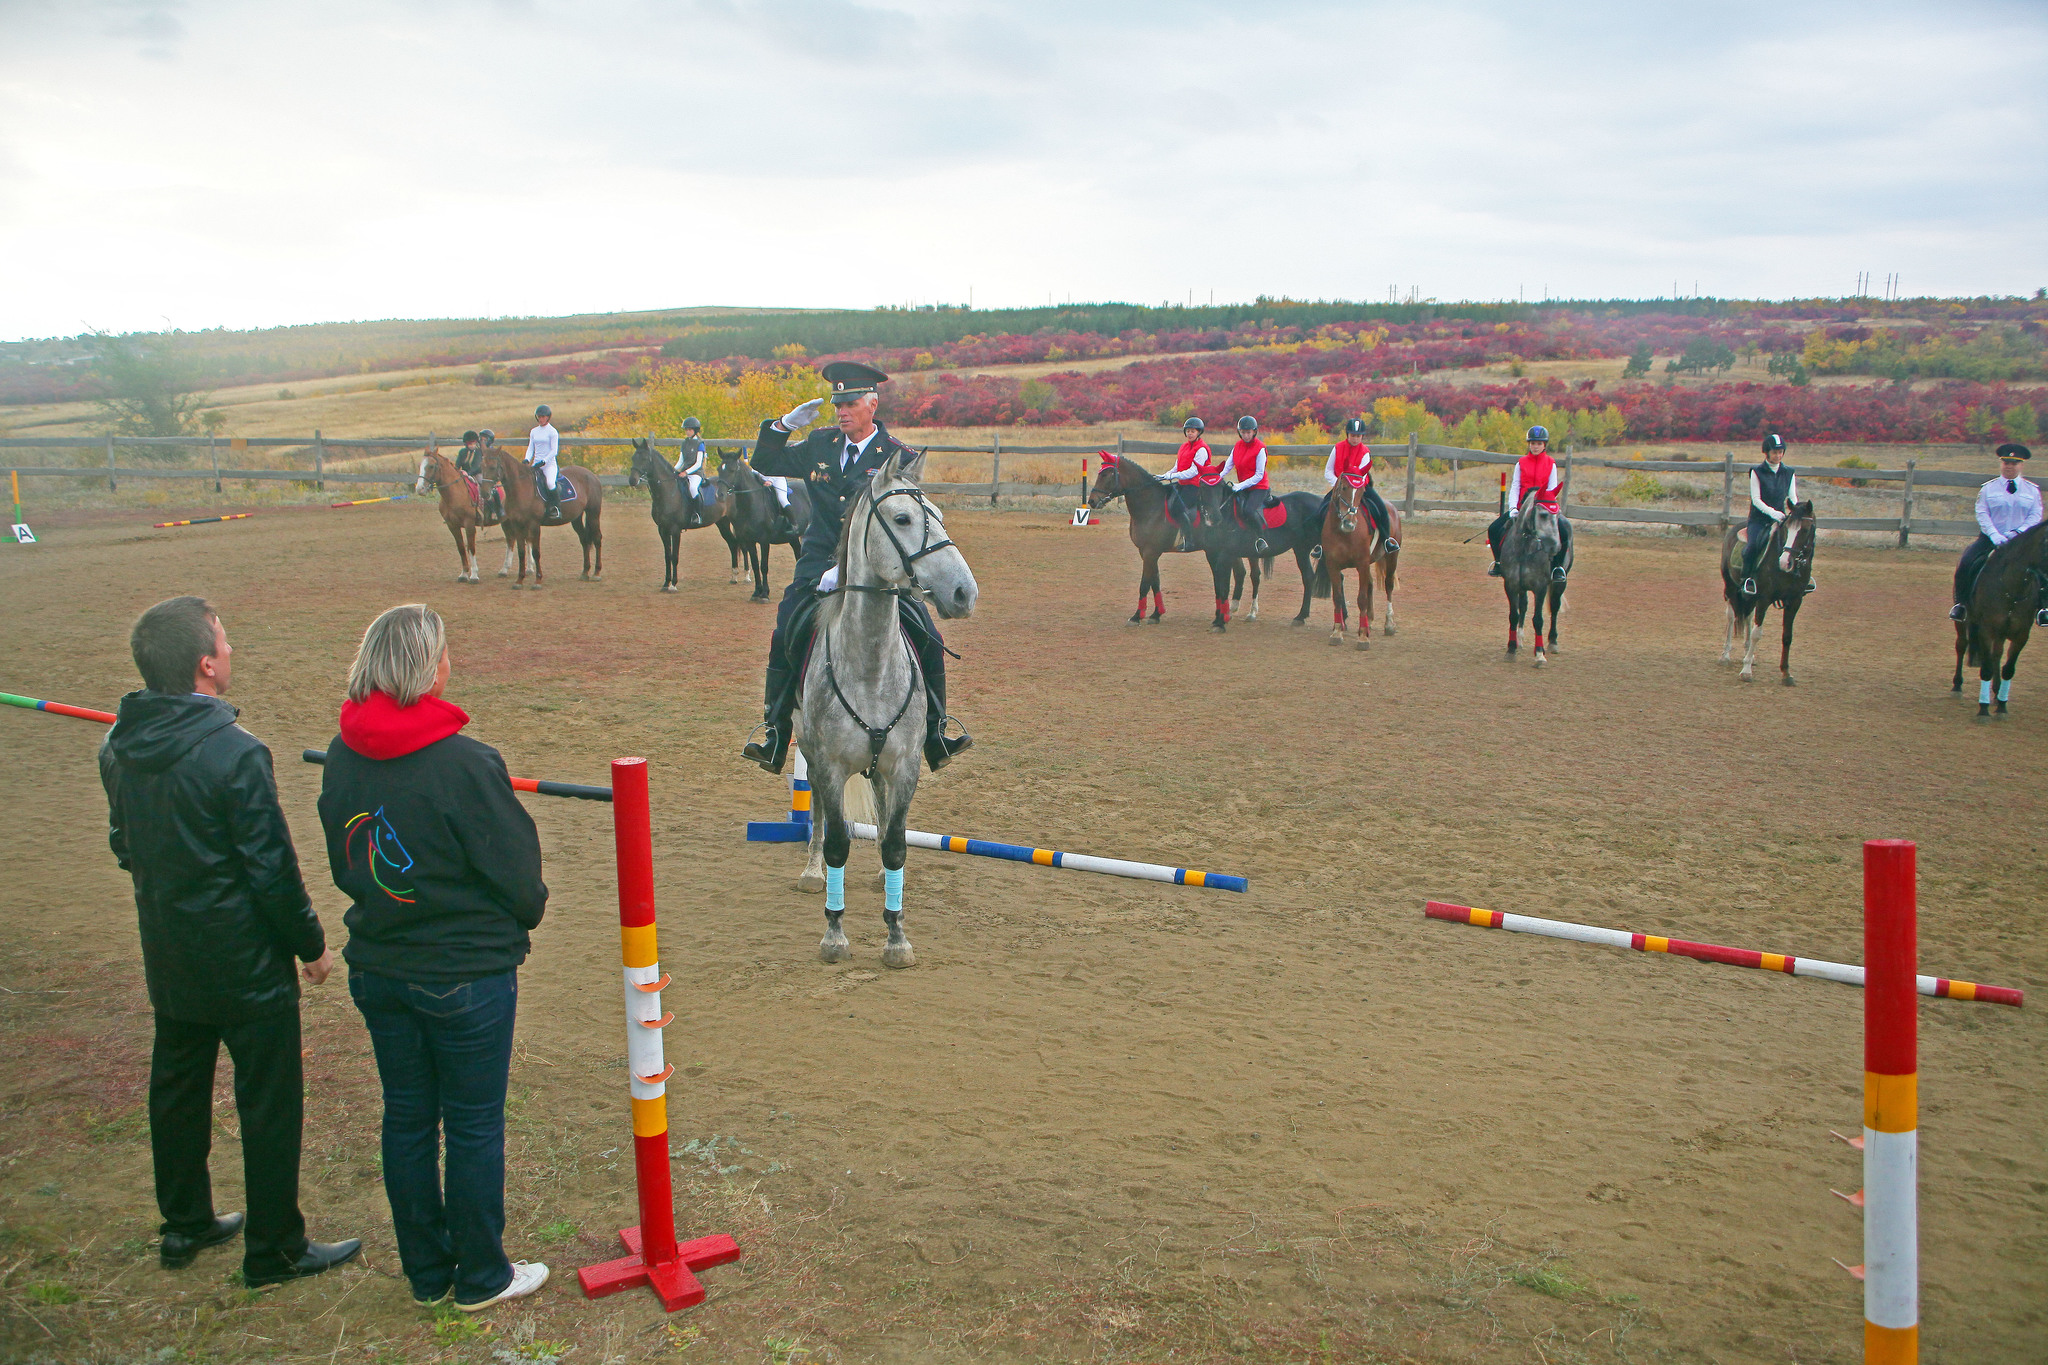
[
  {"x": 192, "y": 814},
  {"x": 815, "y": 460}
]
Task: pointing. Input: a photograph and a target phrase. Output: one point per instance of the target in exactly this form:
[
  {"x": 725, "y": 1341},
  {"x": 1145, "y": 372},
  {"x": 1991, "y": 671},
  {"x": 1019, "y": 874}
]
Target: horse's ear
[{"x": 912, "y": 466}]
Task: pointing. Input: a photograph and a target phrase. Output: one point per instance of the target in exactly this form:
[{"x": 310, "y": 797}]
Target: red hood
[{"x": 380, "y": 728}]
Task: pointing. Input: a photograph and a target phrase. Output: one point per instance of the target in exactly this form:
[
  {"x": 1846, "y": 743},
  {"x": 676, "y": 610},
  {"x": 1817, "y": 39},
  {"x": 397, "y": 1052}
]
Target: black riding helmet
[
  {"x": 1538, "y": 434},
  {"x": 1194, "y": 424},
  {"x": 1247, "y": 424},
  {"x": 543, "y": 411},
  {"x": 488, "y": 435},
  {"x": 692, "y": 424},
  {"x": 1355, "y": 427},
  {"x": 468, "y": 436},
  {"x": 1773, "y": 442}
]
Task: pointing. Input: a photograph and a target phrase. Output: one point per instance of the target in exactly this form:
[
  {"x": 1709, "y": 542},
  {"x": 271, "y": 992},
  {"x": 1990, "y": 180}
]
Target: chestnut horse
[
  {"x": 1351, "y": 541},
  {"x": 2004, "y": 607},
  {"x": 1154, "y": 534},
  {"x": 459, "y": 509},
  {"x": 524, "y": 510}
]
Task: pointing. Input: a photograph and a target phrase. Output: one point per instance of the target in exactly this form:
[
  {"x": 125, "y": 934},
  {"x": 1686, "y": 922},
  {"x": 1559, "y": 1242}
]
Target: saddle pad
[
  {"x": 476, "y": 492},
  {"x": 540, "y": 486},
  {"x": 1276, "y": 516}
]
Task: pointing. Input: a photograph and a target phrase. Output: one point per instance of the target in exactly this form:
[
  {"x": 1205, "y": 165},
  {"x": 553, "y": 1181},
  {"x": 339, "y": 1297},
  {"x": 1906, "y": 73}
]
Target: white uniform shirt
[
  {"x": 853, "y": 449},
  {"x": 542, "y": 445},
  {"x": 2002, "y": 515}
]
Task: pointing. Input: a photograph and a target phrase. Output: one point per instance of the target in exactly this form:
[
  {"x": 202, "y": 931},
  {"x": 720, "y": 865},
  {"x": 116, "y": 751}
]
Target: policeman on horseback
[
  {"x": 1534, "y": 473},
  {"x": 2006, "y": 506},
  {"x": 835, "y": 464},
  {"x": 1773, "y": 489},
  {"x": 1351, "y": 461},
  {"x": 543, "y": 446},
  {"x": 1194, "y": 463}
]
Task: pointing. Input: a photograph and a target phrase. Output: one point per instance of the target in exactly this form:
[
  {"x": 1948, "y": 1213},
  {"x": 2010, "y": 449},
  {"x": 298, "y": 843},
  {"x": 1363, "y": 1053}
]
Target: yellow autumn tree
[{"x": 725, "y": 407}]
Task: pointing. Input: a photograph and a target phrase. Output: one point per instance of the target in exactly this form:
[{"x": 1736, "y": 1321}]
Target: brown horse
[
  {"x": 1783, "y": 569},
  {"x": 525, "y": 510},
  {"x": 1155, "y": 535},
  {"x": 2001, "y": 614},
  {"x": 459, "y": 509},
  {"x": 1351, "y": 541}
]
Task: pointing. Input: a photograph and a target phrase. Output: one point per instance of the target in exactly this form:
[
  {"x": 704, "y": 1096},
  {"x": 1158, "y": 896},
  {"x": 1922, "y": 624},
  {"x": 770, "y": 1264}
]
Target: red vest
[
  {"x": 1197, "y": 452},
  {"x": 1244, "y": 459},
  {"x": 1354, "y": 464},
  {"x": 1536, "y": 473}
]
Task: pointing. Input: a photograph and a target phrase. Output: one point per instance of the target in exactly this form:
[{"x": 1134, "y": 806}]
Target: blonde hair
[{"x": 399, "y": 656}]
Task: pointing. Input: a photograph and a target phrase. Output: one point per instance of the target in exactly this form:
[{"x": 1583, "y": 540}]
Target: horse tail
[
  {"x": 1319, "y": 587},
  {"x": 1269, "y": 563},
  {"x": 858, "y": 804}
]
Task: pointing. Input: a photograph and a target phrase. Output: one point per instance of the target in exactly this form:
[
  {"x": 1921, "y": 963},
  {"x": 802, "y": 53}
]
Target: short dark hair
[{"x": 169, "y": 640}]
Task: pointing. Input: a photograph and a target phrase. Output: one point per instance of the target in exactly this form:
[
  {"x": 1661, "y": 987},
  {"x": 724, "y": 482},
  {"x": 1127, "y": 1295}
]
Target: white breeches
[
  {"x": 548, "y": 467},
  {"x": 781, "y": 487},
  {"x": 693, "y": 481}
]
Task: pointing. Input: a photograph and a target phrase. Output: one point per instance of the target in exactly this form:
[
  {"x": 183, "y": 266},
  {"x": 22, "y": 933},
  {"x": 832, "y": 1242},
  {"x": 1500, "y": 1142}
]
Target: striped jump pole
[
  {"x": 56, "y": 708},
  {"x": 539, "y": 786},
  {"x": 365, "y": 502},
  {"x": 654, "y": 1257},
  {"x": 199, "y": 521},
  {"x": 1891, "y": 1122},
  {"x": 1846, "y": 973},
  {"x": 1052, "y": 857},
  {"x": 797, "y": 828}
]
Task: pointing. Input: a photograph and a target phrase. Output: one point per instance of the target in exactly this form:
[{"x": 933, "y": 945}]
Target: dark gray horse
[
  {"x": 758, "y": 519},
  {"x": 1528, "y": 553},
  {"x": 669, "y": 501}
]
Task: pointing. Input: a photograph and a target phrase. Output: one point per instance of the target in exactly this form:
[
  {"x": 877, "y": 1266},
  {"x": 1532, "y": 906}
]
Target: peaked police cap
[{"x": 851, "y": 379}]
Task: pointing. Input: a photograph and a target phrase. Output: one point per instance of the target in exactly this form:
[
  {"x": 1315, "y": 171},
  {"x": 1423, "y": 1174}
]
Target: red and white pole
[
  {"x": 1891, "y": 1155},
  {"x": 655, "y": 1258}
]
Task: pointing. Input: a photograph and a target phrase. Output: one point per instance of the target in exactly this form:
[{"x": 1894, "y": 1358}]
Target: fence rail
[{"x": 1904, "y": 525}]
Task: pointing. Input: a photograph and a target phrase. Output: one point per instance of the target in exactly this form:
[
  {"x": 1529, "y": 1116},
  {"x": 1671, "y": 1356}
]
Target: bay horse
[
  {"x": 1226, "y": 539},
  {"x": 461, "y": 512},
  {"x": 669, "y": 503},
  {"x": 863, "y": 694},
  {"x": 1528, "y": 550},
  {"x": 525, "y": 510},
  {"x": 1352, "y": 541},
  {"x": 754, "y": 523},
  {"x": 1155, "y": 534},
  {"x": 2003, "y": 609},
  {"x": 1783, "y": 570}
]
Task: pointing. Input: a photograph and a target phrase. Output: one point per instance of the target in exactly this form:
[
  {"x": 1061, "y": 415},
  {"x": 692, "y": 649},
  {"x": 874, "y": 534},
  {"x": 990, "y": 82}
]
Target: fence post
[
  {"x": 1727, "y": 490},
  {"x": 1906, "y": 512},
  {"x": 1409, "y": 509},
  {"x": 995, "y": 468},
  {"x": 1564, "y": 489},
  {"x": 110, "y": 462},
  {"x": 319, "y": 462},
  {"x": 213, "y": 454}
]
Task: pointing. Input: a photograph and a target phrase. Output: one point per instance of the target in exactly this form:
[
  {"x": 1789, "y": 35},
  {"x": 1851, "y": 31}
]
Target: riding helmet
[
  {"x": 1247, "y": 424},
  {"x": 1355, "y": 427},
  {"x": 1538, "y": 434},
  {"x": 692, "y": 424},
  {"x": 1194, "y": 424},
  {"x": 468, "y": 436},
  {"x": 1773, "y": 442},
  {"x": 488, "y": 435},
  {"x": 543, "y": 411}
]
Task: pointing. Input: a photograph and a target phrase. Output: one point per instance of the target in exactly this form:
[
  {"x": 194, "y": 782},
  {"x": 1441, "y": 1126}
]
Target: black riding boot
[
  {"x": 553, "y": 498},
  {"x": 769, "y": 745},
  {"x": 939, "y": 748}
]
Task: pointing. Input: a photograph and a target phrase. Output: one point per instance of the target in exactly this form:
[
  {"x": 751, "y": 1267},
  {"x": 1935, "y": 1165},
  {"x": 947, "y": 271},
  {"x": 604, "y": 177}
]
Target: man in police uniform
[
  {"x": 835, "y": 463},
  {"x": 2006, "y": 506}
]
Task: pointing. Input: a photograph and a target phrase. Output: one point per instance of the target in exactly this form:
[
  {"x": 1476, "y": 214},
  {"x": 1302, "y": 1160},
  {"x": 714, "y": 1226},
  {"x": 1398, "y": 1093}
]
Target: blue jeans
[{"x": 444, "y": 1052}]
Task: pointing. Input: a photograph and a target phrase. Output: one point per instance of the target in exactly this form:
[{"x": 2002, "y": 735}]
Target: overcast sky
[{"x": 251, "y": 162}]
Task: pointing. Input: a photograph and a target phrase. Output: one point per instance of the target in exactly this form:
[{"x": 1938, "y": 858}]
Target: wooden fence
[{"x": 1903, "y": 525}]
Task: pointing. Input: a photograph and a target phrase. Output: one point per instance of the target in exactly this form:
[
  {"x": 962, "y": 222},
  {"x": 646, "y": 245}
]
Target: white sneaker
[{"x": 527, "y": 1276}]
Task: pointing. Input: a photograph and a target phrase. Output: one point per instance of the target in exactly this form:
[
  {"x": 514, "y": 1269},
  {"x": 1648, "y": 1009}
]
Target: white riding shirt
[
  {"x": 543, "y": 444},
  {"x": 2002, "y": 515}
]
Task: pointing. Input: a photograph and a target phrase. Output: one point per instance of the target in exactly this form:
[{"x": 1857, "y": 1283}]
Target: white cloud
[{"x": 228, "y": 161}]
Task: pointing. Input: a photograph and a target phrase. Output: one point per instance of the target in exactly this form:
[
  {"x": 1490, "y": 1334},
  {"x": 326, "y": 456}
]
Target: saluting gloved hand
[{"x": 803, "y": 414}]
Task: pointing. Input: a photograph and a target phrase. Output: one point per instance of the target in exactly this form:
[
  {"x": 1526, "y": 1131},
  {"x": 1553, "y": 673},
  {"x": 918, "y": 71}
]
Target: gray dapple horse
[
  {"x": 1527, "y": 551},
  {"x": 863, "y": 695}
]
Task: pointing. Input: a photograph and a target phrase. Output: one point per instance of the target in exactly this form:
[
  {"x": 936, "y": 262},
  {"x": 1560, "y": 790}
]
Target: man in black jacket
[{"x": 193, "y": 816}]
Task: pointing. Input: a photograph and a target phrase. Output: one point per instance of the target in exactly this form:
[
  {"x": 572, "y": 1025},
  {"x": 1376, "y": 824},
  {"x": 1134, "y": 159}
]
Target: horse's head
[
  {"x": 1109, "y": 480},
  {"x": 1346, "y": 502},
  {"x": 432, "y": 462},
  {"x": 895, "y": 537},
  {"x": 644, "y": 459},
  {"x": 1795, "y": 555}
]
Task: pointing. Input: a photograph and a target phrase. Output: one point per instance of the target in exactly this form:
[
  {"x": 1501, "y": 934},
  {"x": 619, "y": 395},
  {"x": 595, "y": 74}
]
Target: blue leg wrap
[
  {"x": 1984, "y": 692},
  {"x": 892, "y": 889},
  {"x": 835, "y": 886},
  {"x": 2005, "y": 689}
]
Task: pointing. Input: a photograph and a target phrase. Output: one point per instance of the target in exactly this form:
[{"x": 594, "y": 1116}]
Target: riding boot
[
  {"x": 1955, "y": 613},
  {"x": 939, "y": 748},
  {"x": 1494, "y": 571},
  {"x": 553, "y": 498},
  {"x": 769, "y": 746}
]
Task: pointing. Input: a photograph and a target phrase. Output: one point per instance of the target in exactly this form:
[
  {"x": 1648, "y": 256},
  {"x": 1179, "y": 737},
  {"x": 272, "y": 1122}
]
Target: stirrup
[
  {"x": 1749, "y": 587},
  {"x": 1494, "y": 572},
  {"x": 771, "y": 750},
  {"x": 939, "y": 750},
  {"x": 1956, "y": 613},
  {"x": 1389, "y": 545},
  {"x": 1810, "y": 586},
  {"x": 1557, "y": 575},
  {"x": 2041, "y": 617}
]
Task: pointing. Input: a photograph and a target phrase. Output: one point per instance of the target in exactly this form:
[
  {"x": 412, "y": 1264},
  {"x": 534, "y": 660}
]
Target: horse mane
[{"x": 1137, "y": 469}]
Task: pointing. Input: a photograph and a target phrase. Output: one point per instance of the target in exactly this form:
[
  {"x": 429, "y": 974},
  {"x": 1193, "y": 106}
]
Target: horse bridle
[{"x": 925, "y": 547}]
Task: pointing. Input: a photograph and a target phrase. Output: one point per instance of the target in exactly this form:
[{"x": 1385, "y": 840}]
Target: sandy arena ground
[{"x": 1105, "y": 1119}]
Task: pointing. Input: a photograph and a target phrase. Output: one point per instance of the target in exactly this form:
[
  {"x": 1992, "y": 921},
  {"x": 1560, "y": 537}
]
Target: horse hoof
[
  {"x": 1791, "y": 681},
  {"x": 1365, "y": 644},
  {"x": 1337, "y": 640},
  {"x": 1298, "y": 621},
  {"x": 1983, "y": 711},
  {"x": 899, "y": 957},
  {"x": 1154, "y": 620},
  {"x": 668, "y": 587},
  {"x": 502, "y": 573},
  {"x": 1956, "y": 690},
  {"x": 1540, "y": 660},
  {"x": 828, "y": 951},
  {"x": 811, "y": 882},
  {"x": 1216, "y": 630},
  {"x": 1138, "y": 620},
  {"x": 1390, "y": 628},
  {"x": 1747, "y": 676},
  {"x": 515, "y": 586}
]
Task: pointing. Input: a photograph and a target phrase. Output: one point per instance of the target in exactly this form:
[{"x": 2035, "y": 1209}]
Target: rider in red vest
[
  {"x": 1248, "y": 474},
  {"x": 1534, "y": 473},
  {"x": 1197, "y": 464},
  {"x": 1351, "y": 461}
]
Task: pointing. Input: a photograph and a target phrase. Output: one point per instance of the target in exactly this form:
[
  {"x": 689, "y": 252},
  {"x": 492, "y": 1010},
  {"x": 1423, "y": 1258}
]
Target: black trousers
[
  {"x": 1754, "y": 539},
  {"x": 269, "y": 1101},
  {"x": 784, "y": 665},
  {"x": 1970, "y": 565}
]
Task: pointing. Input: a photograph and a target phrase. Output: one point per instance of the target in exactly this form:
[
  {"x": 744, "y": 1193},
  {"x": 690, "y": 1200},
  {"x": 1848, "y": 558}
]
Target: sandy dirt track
[{"x": 1106, "y": 1119}]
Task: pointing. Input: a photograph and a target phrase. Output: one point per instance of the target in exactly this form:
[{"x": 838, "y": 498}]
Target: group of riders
[{"x": 1196, "y": 468}]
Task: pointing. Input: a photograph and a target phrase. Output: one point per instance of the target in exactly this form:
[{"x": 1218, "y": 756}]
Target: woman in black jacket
[{"x": 442, "y": 865}]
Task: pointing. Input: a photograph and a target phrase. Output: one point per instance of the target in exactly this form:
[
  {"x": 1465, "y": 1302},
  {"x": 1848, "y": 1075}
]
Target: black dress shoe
[
  {"x": 770, "y": 749},
  {"x": 317, "y": 1256},
  {"x": 179, "y": 1250},
  {"x": 939, "y": 750}
]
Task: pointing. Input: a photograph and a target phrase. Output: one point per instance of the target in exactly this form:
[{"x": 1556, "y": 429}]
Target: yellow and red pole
[
  {"x": 654, "y": 1257},
  {"x": 1891, "y": 1106}
]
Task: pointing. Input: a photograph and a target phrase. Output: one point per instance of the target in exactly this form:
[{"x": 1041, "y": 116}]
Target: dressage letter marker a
[{"x": 1843, "y": 972}]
